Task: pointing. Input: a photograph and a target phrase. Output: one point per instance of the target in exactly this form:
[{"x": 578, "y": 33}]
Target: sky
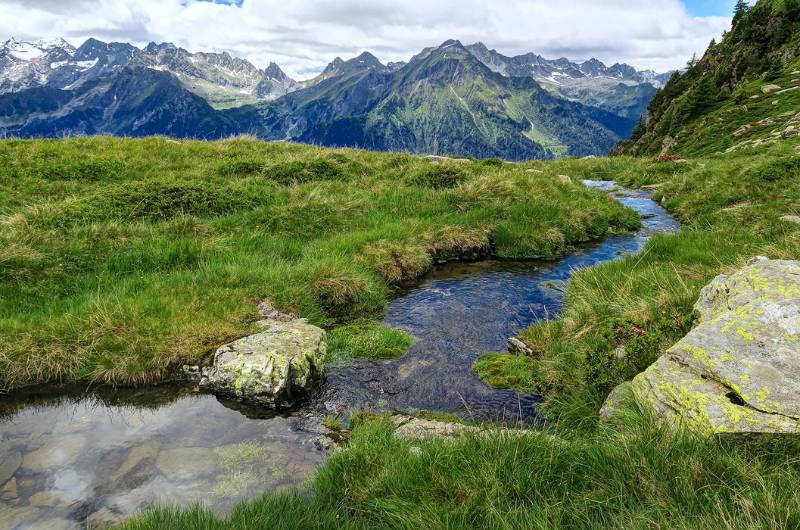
[{"x": 303, "y": 36}]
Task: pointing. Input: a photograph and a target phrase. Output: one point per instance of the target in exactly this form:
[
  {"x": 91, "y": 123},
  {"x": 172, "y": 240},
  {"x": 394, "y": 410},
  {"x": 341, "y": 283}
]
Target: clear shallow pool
[
  {"x": 103, "y": 456},
  {"x": 67, "y": 460}
]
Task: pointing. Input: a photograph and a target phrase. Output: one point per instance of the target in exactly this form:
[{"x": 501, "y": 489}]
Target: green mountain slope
[
  {"x": 444, "y": 101},
  {"x": 744, "y": 92}
]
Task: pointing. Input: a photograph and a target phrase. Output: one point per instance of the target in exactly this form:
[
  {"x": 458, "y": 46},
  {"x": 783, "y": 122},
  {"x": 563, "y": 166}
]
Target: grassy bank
[{"x": 122, "y": 259}]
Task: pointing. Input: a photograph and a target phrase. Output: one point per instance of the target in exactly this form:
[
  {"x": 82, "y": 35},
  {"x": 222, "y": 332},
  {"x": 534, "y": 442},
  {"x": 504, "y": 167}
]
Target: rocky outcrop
[
  {"x": 274, "y": 368},
  {"x": 738, "y": 371}
]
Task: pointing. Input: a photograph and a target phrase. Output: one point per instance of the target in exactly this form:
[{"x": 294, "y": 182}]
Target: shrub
[
  {"x": 640, "y": 347},
  {"x": 398, "y": 262},
  {"x": 301, "y": 172},
  {"x": 82, "y": 169},
  {"x": 239, "y": 168},
  {"x": 439, "y": 177},
  {"x": 152, "y": 200},
  {"x": 344, "y": 299},
  {"x": 782, "y": 168}
]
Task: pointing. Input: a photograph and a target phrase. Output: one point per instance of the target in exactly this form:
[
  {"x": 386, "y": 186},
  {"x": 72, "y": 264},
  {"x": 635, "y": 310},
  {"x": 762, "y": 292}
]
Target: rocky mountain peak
[
  {"x": 365, "y": 60},
  {"x": 274, "y": 71},
  {"x": 333, "y": 66},
  {"x": 593, "y": 67}
]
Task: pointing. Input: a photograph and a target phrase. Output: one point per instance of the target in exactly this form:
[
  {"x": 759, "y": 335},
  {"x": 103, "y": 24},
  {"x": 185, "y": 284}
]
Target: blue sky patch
[{"x": 710, "y": 8}]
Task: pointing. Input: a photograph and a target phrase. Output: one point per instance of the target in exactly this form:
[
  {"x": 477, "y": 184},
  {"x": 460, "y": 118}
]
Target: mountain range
[{"x": 449, "y": 99}]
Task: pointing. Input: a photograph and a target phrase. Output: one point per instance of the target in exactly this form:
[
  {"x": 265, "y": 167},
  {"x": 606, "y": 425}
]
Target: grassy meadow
[
  {"x": 121, "y": 260},
  {"x": 633, "y": 473}
]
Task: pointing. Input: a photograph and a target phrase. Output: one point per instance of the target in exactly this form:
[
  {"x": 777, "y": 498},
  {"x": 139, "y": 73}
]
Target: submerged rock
[
  {"x": 9, "y": 464},
  {"x": 274, "y": 368},
  {"x": 738, "y": 371}
]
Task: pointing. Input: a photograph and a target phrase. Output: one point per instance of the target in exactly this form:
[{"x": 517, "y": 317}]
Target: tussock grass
[{"x": 121, "y": 259}]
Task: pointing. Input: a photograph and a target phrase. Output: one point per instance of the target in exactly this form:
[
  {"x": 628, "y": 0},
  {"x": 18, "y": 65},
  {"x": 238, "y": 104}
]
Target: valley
[{"x": 447, "y": 100}]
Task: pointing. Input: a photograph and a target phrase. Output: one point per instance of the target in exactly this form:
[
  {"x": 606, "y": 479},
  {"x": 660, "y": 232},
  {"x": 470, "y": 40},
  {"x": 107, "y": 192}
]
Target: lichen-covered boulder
[
  {"x": 275, "y": 368},
  {"x": 419, "y": 429},
  {"x": 739, "y": 369}
]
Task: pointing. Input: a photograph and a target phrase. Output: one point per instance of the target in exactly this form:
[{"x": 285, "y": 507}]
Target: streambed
[{"x": 100, "y": 456}]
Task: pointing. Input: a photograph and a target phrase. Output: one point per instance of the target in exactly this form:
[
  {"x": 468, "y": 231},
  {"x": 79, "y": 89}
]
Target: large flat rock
[{"x": 739, "y": 369}]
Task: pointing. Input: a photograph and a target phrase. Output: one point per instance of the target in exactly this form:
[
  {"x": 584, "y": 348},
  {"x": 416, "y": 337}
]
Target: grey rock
[
  {"x": 268, "y": 312},
  {"x": 791, "y": 219},
  {"x": 738, "y": 371},
  {"x": 275, "y": 368},
  {"x": 611, "y": 406},
  {"x": 192, "y": 373},
  {"x": 564, "y": 179},
  {"x": 769, "y": 89},
  {"x": 418, "y": 429},
  {"x": 515, "y": 345}
]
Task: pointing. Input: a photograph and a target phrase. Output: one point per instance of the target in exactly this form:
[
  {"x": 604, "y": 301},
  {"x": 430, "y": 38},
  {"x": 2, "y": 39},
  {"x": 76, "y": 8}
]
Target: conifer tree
[{"x": 741, "y": 9}]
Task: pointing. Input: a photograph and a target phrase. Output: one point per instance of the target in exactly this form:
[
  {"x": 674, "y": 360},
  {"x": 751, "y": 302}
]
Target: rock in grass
[
  {"x": 738, "y": 371},
  {"x": 769, "y": 89},
  {"x": 418, "y": 429},
  {"x": 446, "y": 160},
  {"x": 275, "y": 368},
  {"x": 612, "y": 403},
  {"x": 791, "y": 219},
  {"x": 516, "y": 345},
  {"x": 564, "y": 179}
]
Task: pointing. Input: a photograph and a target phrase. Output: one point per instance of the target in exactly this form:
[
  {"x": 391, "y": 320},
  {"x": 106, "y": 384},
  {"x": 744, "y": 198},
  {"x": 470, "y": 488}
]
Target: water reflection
[{"x": 68, "y": 460}]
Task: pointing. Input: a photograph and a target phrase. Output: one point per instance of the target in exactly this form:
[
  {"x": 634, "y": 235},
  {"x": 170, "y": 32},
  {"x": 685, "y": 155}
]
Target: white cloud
[{"x": 304, "y": 35}]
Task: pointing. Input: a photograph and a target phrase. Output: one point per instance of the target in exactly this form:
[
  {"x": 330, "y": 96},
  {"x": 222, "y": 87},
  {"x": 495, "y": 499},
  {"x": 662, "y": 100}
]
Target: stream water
[{"x": 102, "y": 456}]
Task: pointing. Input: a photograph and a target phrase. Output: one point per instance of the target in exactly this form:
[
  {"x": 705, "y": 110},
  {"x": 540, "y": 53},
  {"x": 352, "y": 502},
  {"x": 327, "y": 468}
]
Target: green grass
[
  {"x": 369, "y": 340},
  {"x": 120, "y": 259}
]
